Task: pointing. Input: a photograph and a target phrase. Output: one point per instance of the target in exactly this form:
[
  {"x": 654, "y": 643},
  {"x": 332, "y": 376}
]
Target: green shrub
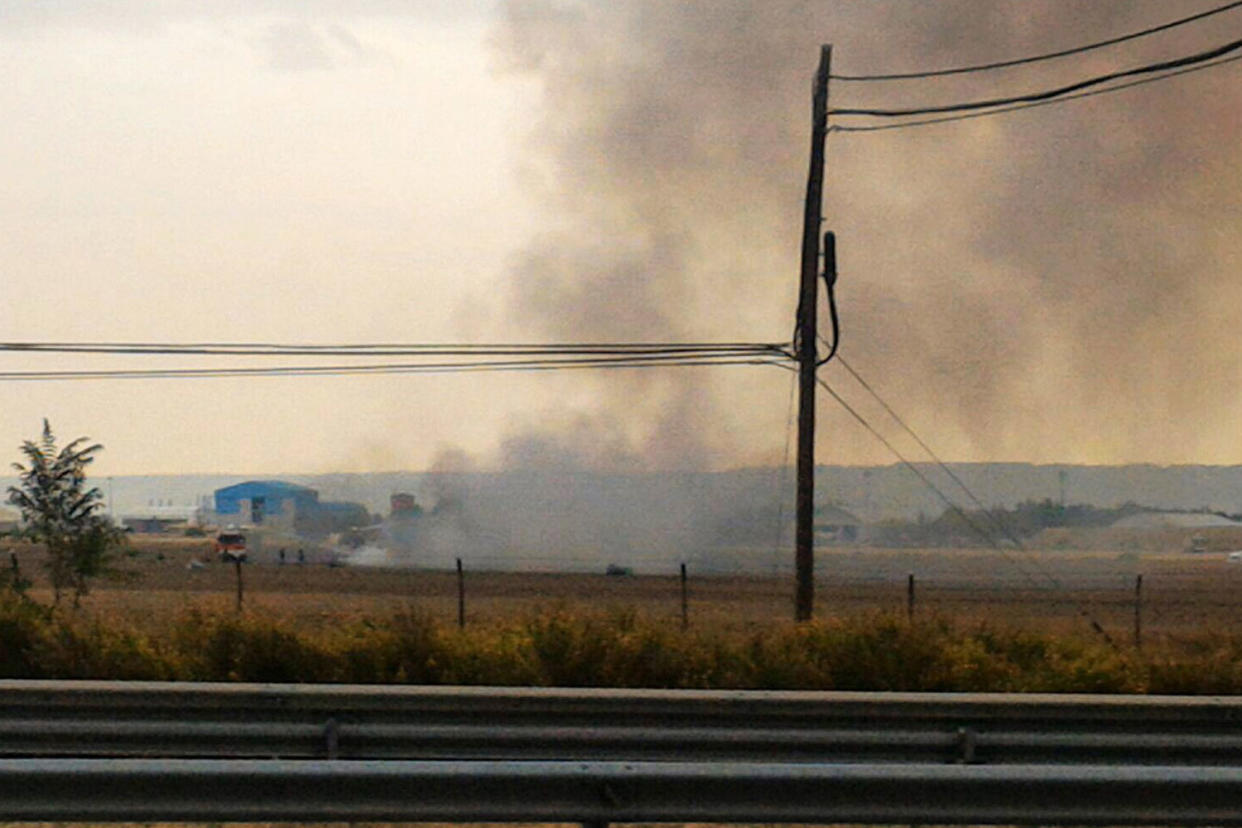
[
  {"x": 89, "y": 650},
  {"x": 883, "y": 652},
  {"x": 24, "y": 630},
  {"x": 497, "y": 655},
  {"x": 570, "y": 649},
  {"x": 1026, "y": 661},
  {"x": 1210, "y": 663},
  {"x": 245, "y": 648}
]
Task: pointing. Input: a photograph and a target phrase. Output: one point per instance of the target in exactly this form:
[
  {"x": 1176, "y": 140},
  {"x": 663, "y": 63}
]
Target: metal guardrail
[
  {"x": 184, "y": 720},
  {"x": 602, "y": 792},
  {"x": 159, "y": 751}
]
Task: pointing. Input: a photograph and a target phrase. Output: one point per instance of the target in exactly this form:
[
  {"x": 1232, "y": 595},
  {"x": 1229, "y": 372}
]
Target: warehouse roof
[
  {"x": 1173, "y": 520},
  {"x": 271, "y": 485}
]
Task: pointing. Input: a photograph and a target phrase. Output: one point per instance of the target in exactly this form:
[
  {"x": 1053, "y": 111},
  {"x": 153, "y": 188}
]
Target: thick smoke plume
[{"x": 1054, "y": 285}]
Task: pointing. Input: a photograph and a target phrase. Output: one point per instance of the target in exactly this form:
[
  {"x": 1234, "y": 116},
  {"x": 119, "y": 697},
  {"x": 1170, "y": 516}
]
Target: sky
[{"x": 1056, "y": 285}]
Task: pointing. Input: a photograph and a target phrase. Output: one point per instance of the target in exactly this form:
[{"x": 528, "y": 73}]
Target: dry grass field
[{"x": 1046, "y": 590}]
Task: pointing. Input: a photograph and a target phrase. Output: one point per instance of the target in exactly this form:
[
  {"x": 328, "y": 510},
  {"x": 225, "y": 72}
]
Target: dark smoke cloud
[{"x": 1052, "y": 285}]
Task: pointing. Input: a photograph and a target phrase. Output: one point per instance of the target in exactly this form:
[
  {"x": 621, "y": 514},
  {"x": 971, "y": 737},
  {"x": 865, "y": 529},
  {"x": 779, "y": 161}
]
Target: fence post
[
  {"x": 1138, "y": 611},
  {"x": 461, "y": 596},
  {"x": 237, "y": 565},
  {"x": 910, "y": 597},
  {"x": 685, "y": 604}
]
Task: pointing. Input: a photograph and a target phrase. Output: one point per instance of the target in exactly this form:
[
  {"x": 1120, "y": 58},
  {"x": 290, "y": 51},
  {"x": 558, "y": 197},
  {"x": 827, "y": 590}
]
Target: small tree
[{"x": 60, "y": 513}]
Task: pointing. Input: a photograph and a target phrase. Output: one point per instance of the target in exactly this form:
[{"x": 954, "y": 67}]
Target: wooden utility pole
[{"x": 808, "y": 298}]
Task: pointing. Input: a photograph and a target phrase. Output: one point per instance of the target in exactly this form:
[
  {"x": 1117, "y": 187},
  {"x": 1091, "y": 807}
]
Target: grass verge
[{"x": 619, "y": 648}]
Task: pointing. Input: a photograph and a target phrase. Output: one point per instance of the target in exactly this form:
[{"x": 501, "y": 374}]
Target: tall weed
[
  {"x": 228, "y": 647},
  {"x": 24, "y": 630},
  {"x": 1210, "y": 663}
]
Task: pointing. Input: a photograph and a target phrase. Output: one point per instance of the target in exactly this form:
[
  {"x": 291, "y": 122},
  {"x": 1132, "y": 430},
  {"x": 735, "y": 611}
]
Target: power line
[
  {"x": 995, "y": 521},
  {"x": 393, "y": 349},
  {"x": 1047, "y": 94},
  {"x": 948, "y": 502},
  {"x": 430, "y": 357},
  {"x": 932, "y": 73},
  {"x": 1051, "y": 580},
  {"x": 1090, "y": 94},
  {"x": 658, "y": 361}
]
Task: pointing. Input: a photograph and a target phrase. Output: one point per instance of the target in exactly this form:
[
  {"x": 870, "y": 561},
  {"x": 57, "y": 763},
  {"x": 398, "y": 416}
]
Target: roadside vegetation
[{"x": 561, "y": 647}]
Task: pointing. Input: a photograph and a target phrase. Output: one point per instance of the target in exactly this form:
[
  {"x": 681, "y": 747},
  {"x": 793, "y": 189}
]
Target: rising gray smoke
[
  {"x": 1052, "y": 285},
  {"x": 552, "y": 508}
]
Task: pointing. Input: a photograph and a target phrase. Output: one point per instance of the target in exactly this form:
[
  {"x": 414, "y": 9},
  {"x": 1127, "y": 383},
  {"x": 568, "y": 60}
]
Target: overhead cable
[
  {"x": 390, "y": 349},
  {"x": 1051, "y": 581},
  {"x": 1089, "y": 94},
  {"x": 655, "y": 361},
  {"x": 960, "y": 70},
  {"x": 1047, "y": 94},
  {"x": 961, "y": 484},
  {"x": 948, "y": 502}
]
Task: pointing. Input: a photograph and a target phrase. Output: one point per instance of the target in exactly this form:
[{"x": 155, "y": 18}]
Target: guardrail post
[
  {"x": 332, "y": 739},
  {"x": 1138, "y": 611},
  {"x": 910, "y": 597}
]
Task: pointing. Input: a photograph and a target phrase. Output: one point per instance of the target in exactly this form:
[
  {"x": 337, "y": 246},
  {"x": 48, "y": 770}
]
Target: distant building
[
  {"x": 1190, "y": 531},
  {"x": 264, "y": 502},
  {"x": 285, "y": 506},
  {"x": 835, "y": 525},
  {"x": 150, "y": 525},
  {"x": 1174, "y": 520}
]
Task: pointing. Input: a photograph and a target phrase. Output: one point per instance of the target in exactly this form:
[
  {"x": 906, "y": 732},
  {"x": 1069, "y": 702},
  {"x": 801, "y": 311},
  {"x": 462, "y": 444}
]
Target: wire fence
[
  {"x": 1126, "y": 600},
  {"x": 1161, "y": 594}
]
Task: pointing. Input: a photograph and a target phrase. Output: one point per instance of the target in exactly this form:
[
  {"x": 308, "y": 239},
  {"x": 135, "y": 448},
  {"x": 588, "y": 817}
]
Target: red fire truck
[{"x": 231, "y": 545}]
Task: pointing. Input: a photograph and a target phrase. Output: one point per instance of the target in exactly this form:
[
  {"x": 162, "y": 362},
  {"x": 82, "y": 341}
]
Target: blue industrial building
[
  {"x": 262, "y": 499},
  {"x": 287, "y": 506}
]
